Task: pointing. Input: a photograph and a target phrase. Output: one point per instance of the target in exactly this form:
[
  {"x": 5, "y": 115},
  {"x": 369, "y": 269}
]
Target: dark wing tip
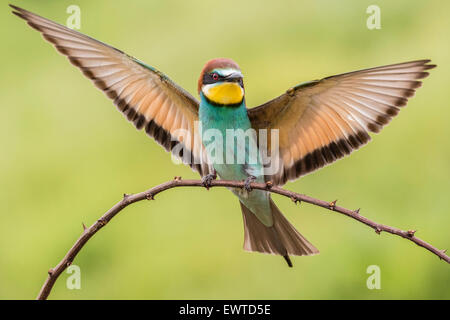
[
  {"x": 20, "y": 15},
  {"x": 19, "y": 11},
  {"x": 424, "y": 61},
  {"x": 15, "y": 7},
  {"x": 427, "y": 66}
]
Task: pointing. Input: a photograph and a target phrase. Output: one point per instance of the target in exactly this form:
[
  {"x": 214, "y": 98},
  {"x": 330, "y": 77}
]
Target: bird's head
[{"x": 221, "y": 82}]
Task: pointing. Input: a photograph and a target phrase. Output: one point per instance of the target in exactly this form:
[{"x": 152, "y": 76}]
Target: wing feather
[
  {"x": 324, "y": 120},
  {"x": 144, "y": 95}
]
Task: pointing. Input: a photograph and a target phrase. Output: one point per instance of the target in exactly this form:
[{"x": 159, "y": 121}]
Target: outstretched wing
[
  {"x": 144, "y": 95},
  {"x": 321, "y": 121}
]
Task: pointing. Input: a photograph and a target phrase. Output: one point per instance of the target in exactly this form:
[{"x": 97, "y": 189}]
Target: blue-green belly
[{"x": 245, "y": 161}]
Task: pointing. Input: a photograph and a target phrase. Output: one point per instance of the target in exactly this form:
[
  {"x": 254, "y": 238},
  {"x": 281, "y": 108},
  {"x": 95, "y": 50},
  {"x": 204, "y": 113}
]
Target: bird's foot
[
  {"x": 247, "y": 183},
  {"x": 206, "y": 180}
]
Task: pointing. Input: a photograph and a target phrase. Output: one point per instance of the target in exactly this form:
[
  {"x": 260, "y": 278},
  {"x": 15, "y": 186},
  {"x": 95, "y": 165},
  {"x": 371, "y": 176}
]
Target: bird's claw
[
  {"x": 247, "y": 183},
  {"x": 206, "y": 180}
]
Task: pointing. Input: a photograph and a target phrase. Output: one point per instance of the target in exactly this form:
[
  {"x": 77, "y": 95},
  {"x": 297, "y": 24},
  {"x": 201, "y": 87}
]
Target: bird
[{"x": 314, "y": 123}]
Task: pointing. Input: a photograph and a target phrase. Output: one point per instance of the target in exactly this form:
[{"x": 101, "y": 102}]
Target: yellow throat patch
[{"x": 224, "y": 93}]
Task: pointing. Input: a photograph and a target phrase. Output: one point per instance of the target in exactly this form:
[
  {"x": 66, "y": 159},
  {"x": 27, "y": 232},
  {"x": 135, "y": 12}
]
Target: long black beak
[{"x": 234, "y": 77}]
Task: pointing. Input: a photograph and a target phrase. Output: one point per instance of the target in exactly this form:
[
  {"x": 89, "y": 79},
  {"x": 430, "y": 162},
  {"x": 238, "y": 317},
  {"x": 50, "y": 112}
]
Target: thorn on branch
[
  {"x": 378, "y": 230},
  {"x": 357, "y": 211},
  {"x": 84, "y": 227},
  {"x": 295, "y": 200},
  {"x": 411, "y": 233},
  {"x": 125, "y": 198},
  {"x": 332, "y": 204},
  {"x": 176, "y": 178}
]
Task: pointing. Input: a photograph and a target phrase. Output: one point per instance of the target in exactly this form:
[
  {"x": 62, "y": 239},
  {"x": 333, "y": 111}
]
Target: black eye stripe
[{"x": 208, "y": 78}]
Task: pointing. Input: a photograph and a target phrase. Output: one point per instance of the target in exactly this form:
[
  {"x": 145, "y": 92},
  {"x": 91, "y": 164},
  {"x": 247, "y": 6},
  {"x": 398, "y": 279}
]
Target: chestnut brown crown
[{"x": 216, "y": 63}]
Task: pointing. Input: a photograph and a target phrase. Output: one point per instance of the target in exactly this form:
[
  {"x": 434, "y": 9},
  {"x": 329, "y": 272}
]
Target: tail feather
[{"x": 280, "y": 239}]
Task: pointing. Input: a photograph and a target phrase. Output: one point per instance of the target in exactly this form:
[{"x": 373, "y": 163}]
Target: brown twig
[{"x": 54, "y": 273}]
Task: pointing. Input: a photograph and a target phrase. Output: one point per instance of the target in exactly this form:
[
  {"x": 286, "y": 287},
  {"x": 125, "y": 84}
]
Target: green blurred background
[{"x": 67, "y": 155}]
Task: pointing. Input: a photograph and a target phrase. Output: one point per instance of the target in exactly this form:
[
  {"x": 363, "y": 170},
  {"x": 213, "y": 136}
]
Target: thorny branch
[{"x": 149, "y": 194}]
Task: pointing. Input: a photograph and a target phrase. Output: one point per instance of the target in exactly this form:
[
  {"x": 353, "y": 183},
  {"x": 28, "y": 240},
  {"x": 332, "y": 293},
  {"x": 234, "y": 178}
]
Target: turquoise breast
[{"x": 230, "y": 143}]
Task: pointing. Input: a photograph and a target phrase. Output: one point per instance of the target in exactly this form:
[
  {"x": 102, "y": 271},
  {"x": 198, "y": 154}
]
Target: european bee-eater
[{"x": 316, "y": 122}]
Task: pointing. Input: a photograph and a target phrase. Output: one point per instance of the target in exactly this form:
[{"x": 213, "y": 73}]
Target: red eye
[{"x": 215, "y": 76}]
